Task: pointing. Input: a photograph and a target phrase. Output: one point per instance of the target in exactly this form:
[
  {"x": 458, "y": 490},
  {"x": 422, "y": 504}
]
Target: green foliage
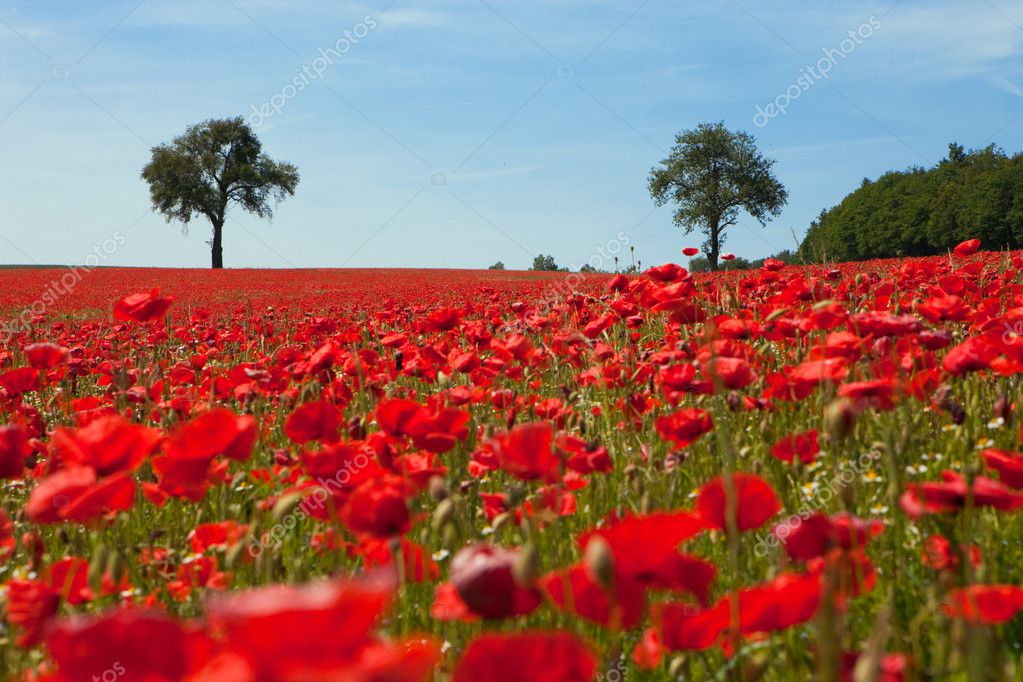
[
  {"x": 545, "y": 263},
  {"x": 702, "y": 264},
  {"x": 499, "y": 265},
  {"x": 712, "y": 175},
  {"x": 920, "y": 212},
  {"x": 213, "y": 164}
]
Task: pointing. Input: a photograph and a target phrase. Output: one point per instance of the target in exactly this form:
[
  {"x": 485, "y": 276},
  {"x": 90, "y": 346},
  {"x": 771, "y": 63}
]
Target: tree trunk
[
  {"x": 218, "y": 246},
  {"x": 712, "y": 257}
]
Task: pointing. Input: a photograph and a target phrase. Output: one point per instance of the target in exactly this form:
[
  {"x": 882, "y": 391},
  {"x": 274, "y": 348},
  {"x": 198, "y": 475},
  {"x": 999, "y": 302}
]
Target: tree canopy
[
  {"x": 545, "y": 263},
  {"x": 919, "y": 211},
  {"x": 213, "y": 164},
  {"x": 712, "y": 175}
]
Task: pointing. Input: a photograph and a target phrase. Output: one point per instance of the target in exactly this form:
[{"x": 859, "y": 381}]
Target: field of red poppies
[{"x": 782, "y": 474}]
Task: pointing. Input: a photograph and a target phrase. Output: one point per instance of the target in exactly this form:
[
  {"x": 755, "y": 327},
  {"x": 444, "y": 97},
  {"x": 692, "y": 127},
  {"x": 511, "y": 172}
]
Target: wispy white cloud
[{"x": 1007, "y": 85}]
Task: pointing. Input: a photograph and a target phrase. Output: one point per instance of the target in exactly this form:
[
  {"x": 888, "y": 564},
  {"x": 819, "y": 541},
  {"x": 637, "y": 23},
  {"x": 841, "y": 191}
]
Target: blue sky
[{"x": 455, "y": 133}]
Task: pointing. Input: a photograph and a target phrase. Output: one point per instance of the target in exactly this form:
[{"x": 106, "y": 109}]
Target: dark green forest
[{"x": 922, "y": 211}]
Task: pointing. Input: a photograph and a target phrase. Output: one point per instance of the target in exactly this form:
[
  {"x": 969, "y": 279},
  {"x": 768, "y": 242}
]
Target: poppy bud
[
  {"x": 484, "y": 577},
  {"x": 443, "y": 380},
  {"x": 526, "y": 567},
  {"x": 234, "y": 554},
  {"x": 502, "y": 520},
  {"x": 285, "y": 505},
  {"x": 1003, "y": 409},
  {"x": 97, "y": 566},
  {"x": 438, "y": 489},
  {"x": 599, "y": 561},
  {"x": 443, "y": 514},
  {"x": 839, "y": 419},
  {"x": 115, "y": 566},
  {"x": 357, "y": 428},
  {"x": 34, "y": 544},
  {"x": 515, "y": 494}
]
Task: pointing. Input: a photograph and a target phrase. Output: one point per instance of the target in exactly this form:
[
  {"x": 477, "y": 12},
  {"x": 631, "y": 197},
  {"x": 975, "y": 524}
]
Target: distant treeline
[{"x": 925, "y": 211}]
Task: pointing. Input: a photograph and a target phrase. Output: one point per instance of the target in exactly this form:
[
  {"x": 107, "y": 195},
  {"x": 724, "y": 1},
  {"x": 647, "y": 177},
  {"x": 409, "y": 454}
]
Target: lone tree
[
  {"x": 212, "y": 164},
  {"x": 712, "y": 174}
]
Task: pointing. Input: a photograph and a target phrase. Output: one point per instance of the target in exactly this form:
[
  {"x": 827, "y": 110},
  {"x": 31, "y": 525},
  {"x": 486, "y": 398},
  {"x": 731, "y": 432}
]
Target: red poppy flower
[
  {"x": 787, "y": 600},
  {"x": 321, "y": 630},
  {"x": 13, "y": 451},
  {"x": 220, "y": 535},
  {"x": 525, "y": 452},
  {"x": 754, "y": 499},
  {"x": 443, "y": 319},
  {"x": 210, "y": 434},
  {"x": 573, "y": 590},
  {"x": 318, "y": 420},
  {"x": 437, "y": 431},
  {"x": 483, "y": 577},
  {"x": 669, "y": 272},
  {"x": 45, "y": 355},
  {"x": 54, "y": 493},
  {"x": 537, "y": 657},
  {"x": 30, "y": 606},
  {"x": 940, "y": 555},
  {"x": 7, "y": 541},
  {"x": 108, "y": 444},
  {"x": 814, "y": 372},
  {"x": 20, "y": 380},
  {"x": 803, "y": 446},
  {"x": 967, "y": 248},
  {"x": 126, "y": 644},
  {"x": 143, "y": 307},
  {"x": 951, "y": 493},
  {"x": 685, "y": 426},
  {"x": 690, "y": 251},
  {"x": 687, "y": 627},
  {"x": 733, "y": 373},
  {"x": 417, "y": 565},
  {"x": 987, "y": 604},
  {"x": 113, "y": 493},
  {"x": 645, "y": 551},
  {"x": 972, "y": 355},
  {"x": 877, "y": 394},
  {"x": 817, "y": 534},
  {"x": 394, "y": 415},
  {"x": 69, "y": 579},
  {"x": 1009, "y": 465},
  {"x": 378, "y": 508}
]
